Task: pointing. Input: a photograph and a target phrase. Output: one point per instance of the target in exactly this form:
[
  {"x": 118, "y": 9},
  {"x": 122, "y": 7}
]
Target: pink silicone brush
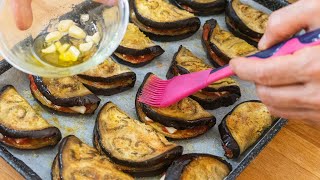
[{"x": 163, "y": 93}]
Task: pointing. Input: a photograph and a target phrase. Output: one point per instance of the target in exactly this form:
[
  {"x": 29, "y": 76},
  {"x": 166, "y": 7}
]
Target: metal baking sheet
[{"x": 82, "y": 126}]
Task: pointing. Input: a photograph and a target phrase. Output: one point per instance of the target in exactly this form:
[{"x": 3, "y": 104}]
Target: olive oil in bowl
[{"x": 70, "y": 43}]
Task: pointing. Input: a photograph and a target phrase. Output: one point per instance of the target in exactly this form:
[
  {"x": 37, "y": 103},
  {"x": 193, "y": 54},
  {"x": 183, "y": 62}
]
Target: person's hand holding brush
[{"x": 288, "y": 85}]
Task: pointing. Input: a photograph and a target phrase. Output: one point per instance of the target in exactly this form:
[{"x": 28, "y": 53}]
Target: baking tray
[{"x": 40, "y": 161}]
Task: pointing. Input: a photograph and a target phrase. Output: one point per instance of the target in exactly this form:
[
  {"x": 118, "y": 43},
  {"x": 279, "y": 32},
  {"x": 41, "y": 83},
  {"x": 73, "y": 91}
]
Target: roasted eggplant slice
[
  {"x": 137, "y": 148},
  {"x": 67, "y": 95},
  {"x": 108, "y": 78},
  {"x": 77, "y": 160},
  {"x": 246, "y": 22},
  {"x": 185, "y": 119},
  {"x": 221, "y": 93},
  {"x": 221, "y": 45},
  {"x": 136, "y": 49},
  {"x": 20, "y": 126},
  {"x": 243, "y": 126},
  {"x": 198, "y": 167},
  {"x": 162, "y": 21},
  {"x": 201, "y": 7}
]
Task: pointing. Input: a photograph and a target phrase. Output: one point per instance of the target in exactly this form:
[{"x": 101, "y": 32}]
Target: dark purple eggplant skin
[
  {"x": 201, "y": 9},
  {"x": 169, "y": 121},
  {"x": 207, "y": 45},
  {"x": 59, "y": 155},
  {"x": 111, "y": 91},
  {"x": 65, "y": 102},
  {"x": 57, "y": 112},
  {"x": 227, "y": 139},
  {"x": 174, "y": 122},
  {"x": 34, "y": 134},
  {"x": 165, "y": 159},
  {"x": 139, "y": 52},
  {"x": 111, "y": 79},
  {"x": 234, "y": 30},
  {"x": 223, "y": 101},
  {"x": 127, "y": 63},
  {"x": 238, "y": 28},
  {"x": 176, "y": 169},
  {"x": 194, "y": 21},
  {"x": 172, "y": 72},
  {"x": 154, "y": 51},
  {"x": 168, "y": 38},
  {"x": 162, "y": 38},
  {"x": 232, "y": 15}
]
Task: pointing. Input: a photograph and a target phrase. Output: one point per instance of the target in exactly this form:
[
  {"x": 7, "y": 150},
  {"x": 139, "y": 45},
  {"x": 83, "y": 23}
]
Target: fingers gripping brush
[{"x": 163, "y": 93}]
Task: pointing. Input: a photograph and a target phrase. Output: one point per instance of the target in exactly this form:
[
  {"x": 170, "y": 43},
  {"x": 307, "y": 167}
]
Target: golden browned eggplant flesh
[
  {"x": 77, "y": 160},
  {"x": 135, "y": 147},
  {"x": 20, "y": 125},
  {"x": 198, "y": 167},
  {"x": 243, "y": 126},
  {"x": 221, "y": 45},
  {"x": 245, "y": 21},
  {"x": 183, "y": 120},
  {"x": 221, "y": 93}
]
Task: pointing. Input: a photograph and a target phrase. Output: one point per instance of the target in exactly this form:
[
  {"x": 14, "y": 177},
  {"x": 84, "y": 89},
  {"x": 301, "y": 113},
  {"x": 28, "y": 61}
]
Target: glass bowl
[{"x": 16, "y": 46}]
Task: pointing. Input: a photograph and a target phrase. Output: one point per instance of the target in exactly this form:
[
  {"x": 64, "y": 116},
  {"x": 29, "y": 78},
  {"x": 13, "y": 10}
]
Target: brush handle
[{"x": 289, "y": 46}]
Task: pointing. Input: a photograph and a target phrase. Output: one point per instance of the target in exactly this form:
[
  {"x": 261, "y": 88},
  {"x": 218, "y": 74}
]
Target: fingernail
[
  {"x": 233, "y": 65},
  {"x": 263, "y": 42}
]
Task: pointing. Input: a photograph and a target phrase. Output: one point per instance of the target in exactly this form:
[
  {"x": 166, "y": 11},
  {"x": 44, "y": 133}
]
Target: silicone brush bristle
[{"x": 153, "y": 91}]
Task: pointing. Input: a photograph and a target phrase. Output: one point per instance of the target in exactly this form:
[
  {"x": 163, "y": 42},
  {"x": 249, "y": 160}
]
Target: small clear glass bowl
[{"x": 16, "y": 46}]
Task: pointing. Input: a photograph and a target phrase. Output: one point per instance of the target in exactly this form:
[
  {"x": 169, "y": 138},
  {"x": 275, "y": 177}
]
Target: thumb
[
  {"x": 22, "y": 13},
  {"x": 284, "y": 23}
]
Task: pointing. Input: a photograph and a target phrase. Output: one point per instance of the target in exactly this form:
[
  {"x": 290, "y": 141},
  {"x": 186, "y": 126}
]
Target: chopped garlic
[
  {"x": 148, "y": 119},
  {"x": 58, "y": 44},
  {"x": 84, "y": 18},
  {"x": 77, "y": 32},
  {"x": 1, "y": 136},
  {"x": 53, "y": 36},
  {"x": 85, "y": 46},
  {"x": 79, "y": 109},
  {"x": 63, "y": 48},
  {"x": 95, "y": 38},
  {"x": 71, "y": 55},
  {"x": 50, "y": 49},
  {"x": 171, "y": 130},
  {"x": 65, "y": 25}
]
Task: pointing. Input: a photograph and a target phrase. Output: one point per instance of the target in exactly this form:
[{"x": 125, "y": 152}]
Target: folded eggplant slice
[
  {"x": 221, "y": 93},
  {"x": 221, "y": 45},
  {"x": 162, "y": 21},
  {"x": 201, "y": 7},
  {"x": 136, "y": 49},
  {"x": 198, "y": 167},
  {"x": 66, "y": 95},
  {"x": 243, "y": 126},
  {"x": 20, "y": 126},
  {"x": 108, "y": 78},
  {"x": 246, "y": 22},
  {"x": 185, "y": 119},
  {"x": 136, "y": 147},
  {"x": 77, "y": 160}
]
